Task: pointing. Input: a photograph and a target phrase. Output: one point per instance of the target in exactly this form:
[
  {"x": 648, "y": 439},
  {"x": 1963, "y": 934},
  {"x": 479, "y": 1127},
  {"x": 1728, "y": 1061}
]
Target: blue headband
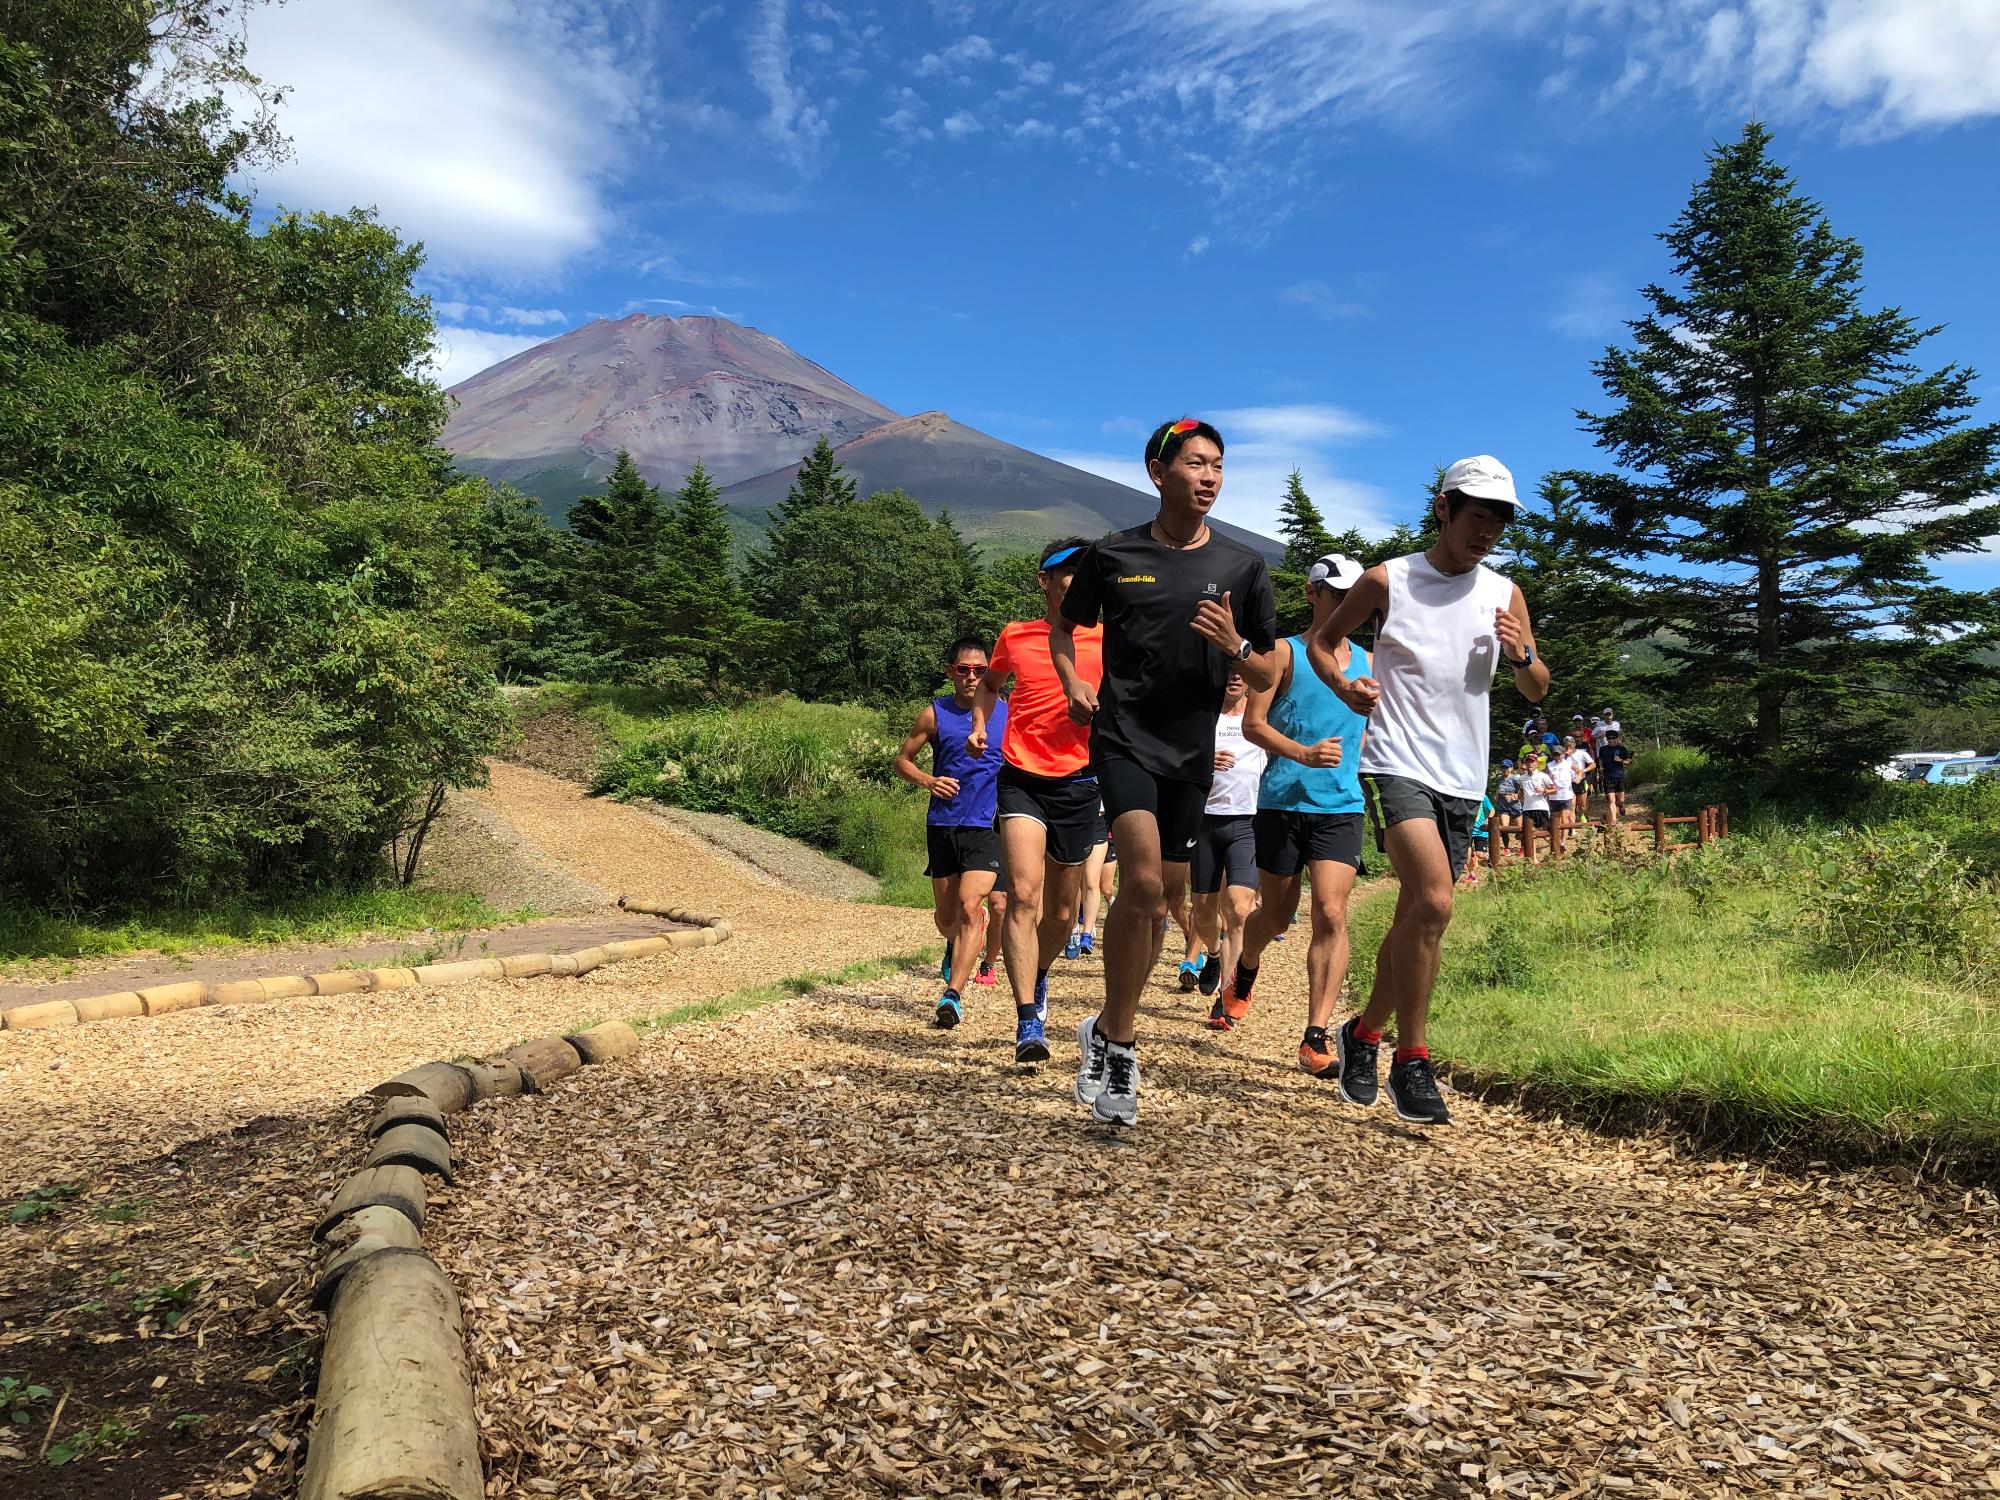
[{"x": 1063, "y": 556}]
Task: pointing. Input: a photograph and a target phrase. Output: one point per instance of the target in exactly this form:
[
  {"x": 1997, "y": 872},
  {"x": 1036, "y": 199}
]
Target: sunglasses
[
  {"x": 969, "y": 671},
  {"x": 1180, "y": 429}
]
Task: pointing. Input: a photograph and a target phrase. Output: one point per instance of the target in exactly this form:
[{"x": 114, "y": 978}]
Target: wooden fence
[{"x": 1710, "y": 823}]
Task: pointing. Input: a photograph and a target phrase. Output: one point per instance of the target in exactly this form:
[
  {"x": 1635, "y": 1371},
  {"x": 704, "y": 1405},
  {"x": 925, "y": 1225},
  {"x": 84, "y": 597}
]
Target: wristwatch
[
  {"x": 1527, "y": 659},
  {"x": 1243, "y": 651}
]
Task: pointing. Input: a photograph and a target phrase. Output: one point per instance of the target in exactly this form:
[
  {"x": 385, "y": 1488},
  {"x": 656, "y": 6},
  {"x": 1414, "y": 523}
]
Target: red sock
[
  {"x": 1363, "y": 1034},
  {"x": 1404, "y": 1054}
]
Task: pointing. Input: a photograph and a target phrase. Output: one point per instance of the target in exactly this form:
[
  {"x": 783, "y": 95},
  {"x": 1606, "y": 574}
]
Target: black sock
[
  {"x": 1041, "y": 977},
  {"x": 1245, "y": 978},
  {"x": 1316, "y": 1038}
]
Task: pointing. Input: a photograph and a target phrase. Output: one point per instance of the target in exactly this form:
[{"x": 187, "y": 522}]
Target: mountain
[
  {"x": 551, "y": 419},
  {"x": 1009, "y": 498}
]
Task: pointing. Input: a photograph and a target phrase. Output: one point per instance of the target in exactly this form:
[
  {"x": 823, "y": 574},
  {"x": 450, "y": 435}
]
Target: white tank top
[
  {"x": 1234, "y": 791},
  {"x": 1435, "y": 657}
]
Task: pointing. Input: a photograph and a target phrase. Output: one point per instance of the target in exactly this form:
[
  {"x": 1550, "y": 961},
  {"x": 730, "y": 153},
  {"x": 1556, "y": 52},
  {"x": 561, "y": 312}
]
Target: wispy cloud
[
  {"x": 1198, "y": 245},
  {"x": 1321, "y": 301},
  {"x": 1594, "y": 307},
  {"x": 796, "y": 126},
  {"x": 674, "y": 304},
  {"x": 453, "y": 311},
  {"x": 956, "y": 61},
  {"x": 666, "y": 265},
  {"x": 959, "y": 124},
  {"x": 461, "y": 353}
]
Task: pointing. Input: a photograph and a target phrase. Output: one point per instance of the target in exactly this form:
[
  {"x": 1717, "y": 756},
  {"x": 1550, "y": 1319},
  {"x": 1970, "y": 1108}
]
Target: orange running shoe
[
  {"x": 1229, "y": 1008},
  {"x": 1318, "y": 1060}
]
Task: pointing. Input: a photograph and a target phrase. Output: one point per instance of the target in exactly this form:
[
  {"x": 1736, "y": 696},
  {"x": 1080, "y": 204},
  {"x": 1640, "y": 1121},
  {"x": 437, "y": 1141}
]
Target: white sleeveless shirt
[
  {"x": 1234, "y": 792},
  {"x": 1435, "y": 657}
]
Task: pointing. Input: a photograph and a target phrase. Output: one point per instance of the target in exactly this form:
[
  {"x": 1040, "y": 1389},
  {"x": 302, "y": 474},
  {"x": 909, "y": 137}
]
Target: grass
[
  {"x": 320, "y": 917},
  {"x": 752, "y": 997},
  {"x": 1707, "y": 992}
]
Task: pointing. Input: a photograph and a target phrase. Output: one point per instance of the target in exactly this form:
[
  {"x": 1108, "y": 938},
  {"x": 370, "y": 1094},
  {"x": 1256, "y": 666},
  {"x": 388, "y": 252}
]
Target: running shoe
[
  {"x": 948, "y": 1011},
  {"x": 1118, "y": 1102},
  {"x": 1090, "y": 1071},
  {"x": 1228, "y": 1010},
  {"x": 1073, "y": 947},
  {"x": 1357, "y": 1064},
  {"x": 1031, "y": 1043},
  {"x": 1190, "y": 976},
  {"x": 1085, "y": 943},
  {"x": 1042, "y": 996},
  {"x": 1413, "y": 1085},
  {"x": 985, "y": 975},
  {"x": 1211, "y": 974},
  {"x": 1317, "y": 1059}
]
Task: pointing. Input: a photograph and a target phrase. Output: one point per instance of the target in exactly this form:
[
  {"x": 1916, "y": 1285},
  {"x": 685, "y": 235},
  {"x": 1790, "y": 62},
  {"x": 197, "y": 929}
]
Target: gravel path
[
  {"x": 81, "y": 1098},
  {"x": 823, "y": 1249}
]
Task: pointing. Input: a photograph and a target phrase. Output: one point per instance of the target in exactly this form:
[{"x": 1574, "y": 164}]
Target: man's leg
[
  {"x": 1239, "y": 905},
  {"x": 1406, "y": 969},
  {"x": 1092, "y": 899},
  {"x": 944, "y": 908},
  {"x": 1326, "y": 959},
  {"x": 969, "y": 890},
  {"x": 1137, "y": 924},
  {"x": 1206, "y": 908},
  {"x": 996, "y": 926},
  {"x": 1280, "y": 902},
  {"x": 1024, "y": 846}
]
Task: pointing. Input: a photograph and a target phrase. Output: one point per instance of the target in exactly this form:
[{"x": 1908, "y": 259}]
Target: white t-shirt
[
  {"x": 1535, "y": 789},
  {"x": 1581, "y": 761},
  {"x": 1233, "y": 793},
  {"x": 1563, "y": 774}
]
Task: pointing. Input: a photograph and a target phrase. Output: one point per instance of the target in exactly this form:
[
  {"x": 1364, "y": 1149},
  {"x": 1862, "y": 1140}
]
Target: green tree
[
  {"x": 705, "y": 610},
  {"x": 820, "y": 484},
  {"x": 623, "y": 572},
  {"x": 1301, "y": 527},
  {"x": 535, "y": 565},
  {"x": 1785, "y": 477}
]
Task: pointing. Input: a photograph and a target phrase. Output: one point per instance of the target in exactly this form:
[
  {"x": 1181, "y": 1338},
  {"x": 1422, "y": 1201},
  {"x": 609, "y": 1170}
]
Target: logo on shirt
[
  {"x": 1211, "y": 589},
  {"x": 1138, "y": 578}
]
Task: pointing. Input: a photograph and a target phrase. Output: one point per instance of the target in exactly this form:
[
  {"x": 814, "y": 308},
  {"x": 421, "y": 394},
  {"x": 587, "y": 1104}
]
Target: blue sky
[{"x": 1363, "y": 236}]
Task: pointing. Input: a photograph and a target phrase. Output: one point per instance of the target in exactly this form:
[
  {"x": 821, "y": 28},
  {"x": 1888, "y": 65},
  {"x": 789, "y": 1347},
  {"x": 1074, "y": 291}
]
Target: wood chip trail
[{"x": 822, "y": 1249}]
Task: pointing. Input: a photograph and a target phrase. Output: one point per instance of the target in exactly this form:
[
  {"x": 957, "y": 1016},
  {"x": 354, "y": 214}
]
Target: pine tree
[
  {"x": 1790, "y": 475},
  {"x": 704, "y": 610},
  {"x": 1302, "y": 527},
  {"x": 819, "y": 483},
  {"x": 533, "y": 562},
  {"x": 619, "y": 572}
]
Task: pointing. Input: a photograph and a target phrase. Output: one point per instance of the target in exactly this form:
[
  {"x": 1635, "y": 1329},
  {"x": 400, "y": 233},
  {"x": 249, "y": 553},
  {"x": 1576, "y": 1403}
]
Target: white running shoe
[
  {"x": 1090, "y": 1072},
  {"x": 1118, "y": 1103}
]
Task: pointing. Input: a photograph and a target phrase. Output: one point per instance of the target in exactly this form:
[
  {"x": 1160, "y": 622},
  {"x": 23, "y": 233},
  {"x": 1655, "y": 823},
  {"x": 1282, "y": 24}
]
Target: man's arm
[
  {"x": 1062, "y": 651},
  {"x": 1517, "y": 637},
  {"x": 987, "y": 696},
  {"x": 1368, "y": 597},
  {"x": 1215, "y": 623},
  {"x": 944, "y": 788},
  {"x": 1258, "y": 730}
]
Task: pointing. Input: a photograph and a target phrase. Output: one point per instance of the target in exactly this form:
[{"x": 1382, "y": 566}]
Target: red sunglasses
[{"x": 1184, "y": 425}]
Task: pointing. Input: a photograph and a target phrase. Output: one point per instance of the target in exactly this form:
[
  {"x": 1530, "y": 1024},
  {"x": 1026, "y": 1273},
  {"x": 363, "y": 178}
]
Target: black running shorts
[
  {"x": 1225, "y": 853},
  {"x": 1614, "y": 780},
  {"x": 1288, "y": 841},
  {"x": 1066, "y": 807},
  {"x": 1399, "y": 799},
  {"x": 954, "y": 851},
  {"x": 1175, "y": 806},
  {"x": 1538, "y": 817}
]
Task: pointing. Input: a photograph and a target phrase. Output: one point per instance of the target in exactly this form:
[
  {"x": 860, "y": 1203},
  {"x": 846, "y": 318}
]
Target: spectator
[
  {"x": 1481, "y": 821},
  {"x": 1535, "y": 789},
  {"x": 1562, "y": 796},
  {"x": 1582, "y": 764},
  {"x": 1506, "y": 807},
  {"x": 1616, "y": 757}
]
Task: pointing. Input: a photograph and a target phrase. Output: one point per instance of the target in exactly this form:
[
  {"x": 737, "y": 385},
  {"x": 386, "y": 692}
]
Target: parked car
[
  {"x": 1915, "y": 765},
  {"x": 1959, "y": 772}
]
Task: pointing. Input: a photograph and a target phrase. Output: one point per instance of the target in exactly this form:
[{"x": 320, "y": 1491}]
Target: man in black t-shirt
[
  {"x": 1180, "y": 605},
  {"x": 1612, "y": 760}
]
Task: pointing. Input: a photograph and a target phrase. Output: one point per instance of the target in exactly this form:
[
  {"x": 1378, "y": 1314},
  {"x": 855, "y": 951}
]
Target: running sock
[
  {"x": 1027, "y": 1012},
  {"x": 1404, "y": 1054},
  {"x": 1316, "y": 1038},
  {"x": 1041, "y": 978},
  {"x": 1245, "y": 978},
  {"x": 1363, "y": 1034}
]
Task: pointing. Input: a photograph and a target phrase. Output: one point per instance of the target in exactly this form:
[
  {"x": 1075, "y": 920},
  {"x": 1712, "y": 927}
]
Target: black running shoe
[
  {"x": 1414, "y": 1087},
  {"x": 1211, "y": 974},
  {"x": 1357, "y": 1065}
]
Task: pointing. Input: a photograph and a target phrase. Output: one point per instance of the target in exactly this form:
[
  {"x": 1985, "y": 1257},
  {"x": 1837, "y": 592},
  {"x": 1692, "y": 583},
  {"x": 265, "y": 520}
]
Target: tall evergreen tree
[
  {"x": 535, "y": 566},
  {"x": 1301, "y": 527},
  {"x": 622, "y": 571},
  {"x": 819, "y": 484},
  {"x": 704, "y": 610},
  {"x": 1786, "y": 476}
]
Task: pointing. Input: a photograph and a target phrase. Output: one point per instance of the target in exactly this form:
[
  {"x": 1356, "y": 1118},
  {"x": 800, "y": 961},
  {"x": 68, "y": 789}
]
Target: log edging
[
  {"x": 393, "y": 1414},
  {"x": 189, "y": 994}
]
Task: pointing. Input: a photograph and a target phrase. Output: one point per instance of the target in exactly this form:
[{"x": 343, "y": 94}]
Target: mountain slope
[
  {"x": 672, "y": 390},
  {"x": 1007, "y": 497}
]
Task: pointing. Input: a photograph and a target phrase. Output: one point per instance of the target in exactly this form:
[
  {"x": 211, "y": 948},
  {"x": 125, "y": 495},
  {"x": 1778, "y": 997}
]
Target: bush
[
  {"x": 1898, "y": 895},
  {"x": 1661, "y": 766}
]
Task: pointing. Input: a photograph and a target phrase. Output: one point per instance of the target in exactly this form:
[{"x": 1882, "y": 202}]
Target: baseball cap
[
  {"x": 1336, "y": 570},
  {"x": 1506, "y": 765},
  {"x": 1483, "y": 477},
  {"x": 1576, "y": 718}
]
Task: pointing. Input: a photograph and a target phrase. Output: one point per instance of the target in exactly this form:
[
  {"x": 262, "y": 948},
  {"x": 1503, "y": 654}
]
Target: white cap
[
  {"x": 1336, "y": 570},
  {"x": 1483, "y": 477}
]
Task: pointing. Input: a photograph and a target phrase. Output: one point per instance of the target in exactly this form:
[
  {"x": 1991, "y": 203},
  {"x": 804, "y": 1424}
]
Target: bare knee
[
  {"x": 1148, "y": 894},
  {"x": 1330, "y": 918},
  {"x": 1427, "y": 909}
]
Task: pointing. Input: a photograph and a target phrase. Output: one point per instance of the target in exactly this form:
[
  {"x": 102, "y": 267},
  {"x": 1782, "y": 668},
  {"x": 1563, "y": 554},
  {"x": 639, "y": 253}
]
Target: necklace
[{"x": 1175, "y": 542}]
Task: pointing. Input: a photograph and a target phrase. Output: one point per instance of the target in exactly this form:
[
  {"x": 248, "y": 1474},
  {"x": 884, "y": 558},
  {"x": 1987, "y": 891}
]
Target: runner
[
  {"x": 1616, "y": 756},
  {"x": 1309, "y": 816},
  {"x": 1582, "y": 765},
  {"x": 1179, "y": 604},
  {"x": 1048, "y": 795},
  {"x": 1448, "y": 624},
  {"x": 1507, "y": 814},
  {"x": 1562, "y": 797},
  {"x": 1535, "y": 789},
  {"x": 964, "y": 850},
  {"x": 1083, "y": 941},
  {"x": 1225, "y": 856}
]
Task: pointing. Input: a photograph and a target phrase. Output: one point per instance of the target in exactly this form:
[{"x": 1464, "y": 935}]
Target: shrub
[
  {"x": 1658, "y": 767},
  {"x": 1899, "y": 895}
]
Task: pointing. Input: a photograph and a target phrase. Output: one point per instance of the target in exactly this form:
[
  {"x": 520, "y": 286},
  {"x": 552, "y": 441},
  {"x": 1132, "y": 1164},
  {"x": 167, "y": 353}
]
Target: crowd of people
[
  {"x": 1542, "y": 795},
  {"x": 1152, "y": 722}
]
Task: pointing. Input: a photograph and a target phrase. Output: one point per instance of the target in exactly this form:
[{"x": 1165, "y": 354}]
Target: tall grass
[
  {"x": 1777, "y": 987},
  {"x": 817, "y": 772}
]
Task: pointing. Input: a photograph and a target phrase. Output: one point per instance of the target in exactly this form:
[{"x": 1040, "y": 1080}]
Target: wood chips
[{"x": 823, "y": 1249}]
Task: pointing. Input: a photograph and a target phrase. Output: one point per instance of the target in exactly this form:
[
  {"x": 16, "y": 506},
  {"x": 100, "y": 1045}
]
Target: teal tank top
[{"x": 1308, "y": 712}]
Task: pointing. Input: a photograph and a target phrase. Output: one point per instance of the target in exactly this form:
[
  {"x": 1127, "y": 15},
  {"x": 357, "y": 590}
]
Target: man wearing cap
[
  {"x": 1449, "y": 623},
  {"x": 1506, "y": 807},
  {"x": 1309, "y": 817},
  {"x": 1047, "y": 797},
  {"x": 1612, "y": 761},
  {"x": 1180, "y": 604}
]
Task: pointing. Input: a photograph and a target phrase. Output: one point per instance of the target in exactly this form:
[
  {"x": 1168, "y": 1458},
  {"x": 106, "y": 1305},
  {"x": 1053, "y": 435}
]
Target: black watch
[{"x": 1527, "y": 659}]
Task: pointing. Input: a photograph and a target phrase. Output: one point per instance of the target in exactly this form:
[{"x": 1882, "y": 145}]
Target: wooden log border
[
  {"x": 393, "y": 1415},
  {"x": 165, "y": 999}
]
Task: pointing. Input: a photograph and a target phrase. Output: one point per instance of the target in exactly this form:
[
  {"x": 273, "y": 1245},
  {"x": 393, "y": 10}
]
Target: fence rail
[{"x": 1711, "y": 823}]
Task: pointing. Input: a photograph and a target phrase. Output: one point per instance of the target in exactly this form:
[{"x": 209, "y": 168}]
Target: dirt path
[
  {"x": 823, "y": 1249},
  {"x": 82, "y": 1098}
]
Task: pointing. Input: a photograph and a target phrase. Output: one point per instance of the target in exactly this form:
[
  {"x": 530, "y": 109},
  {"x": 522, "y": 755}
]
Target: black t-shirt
[
  {"x": 1163, "y": 684},
  {"x": 1614, "y": 759}
]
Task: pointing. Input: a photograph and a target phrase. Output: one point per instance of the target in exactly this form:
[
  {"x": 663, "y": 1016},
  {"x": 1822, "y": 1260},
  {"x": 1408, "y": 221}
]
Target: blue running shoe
[
  {"x": 947, "y": 1011},
  {"x": 944, "y": 966},
  {"x": 1190, "y": 976},
  {"x": 1085, "y": 942},
  {"x": 1042, "y": 997},
  {"x": 1074, "y": 946},
  {"x": 1031, "y": 1043}
]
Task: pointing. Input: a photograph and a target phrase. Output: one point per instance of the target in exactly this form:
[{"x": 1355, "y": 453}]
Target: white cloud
[
  {"x": 1321, "y": 301},
  {"x": 519, "y": 317},
  {"x": 461, "y": 353},
  {"x": 639, "y": 304},
  {"x": 470, "y": 125},
  {"x": 1032, "y": 129},
  {"x": 1594, "y": 307},
  {"x": 792, "y": 122},
  {"x": 1198, "y": 245},
  {"x": 1305, "y": 424},
  {"x": 958, "y": 125},
  {"x": 957, "y": 59}
]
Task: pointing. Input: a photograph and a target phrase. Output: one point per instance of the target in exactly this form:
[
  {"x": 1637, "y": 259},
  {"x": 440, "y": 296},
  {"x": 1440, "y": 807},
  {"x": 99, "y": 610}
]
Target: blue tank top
[
  {"x": 1308, "y": 712},
  {"x": 978, "y": 780}
]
